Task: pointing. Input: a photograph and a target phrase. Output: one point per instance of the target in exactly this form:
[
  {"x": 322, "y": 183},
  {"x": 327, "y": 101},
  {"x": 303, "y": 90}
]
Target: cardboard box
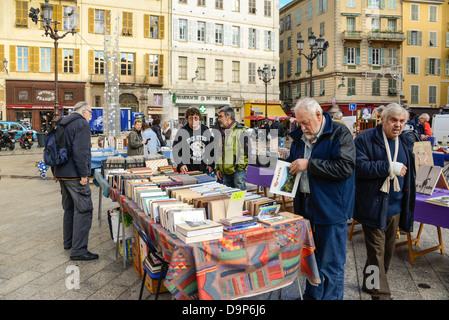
[
  {"x": 136, "y": 259},
  {"x": 151, "y": 285}
]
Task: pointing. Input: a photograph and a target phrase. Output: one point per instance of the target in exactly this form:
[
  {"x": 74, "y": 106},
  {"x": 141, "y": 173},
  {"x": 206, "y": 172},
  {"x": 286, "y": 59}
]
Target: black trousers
[{"x": 77, "y": 221}]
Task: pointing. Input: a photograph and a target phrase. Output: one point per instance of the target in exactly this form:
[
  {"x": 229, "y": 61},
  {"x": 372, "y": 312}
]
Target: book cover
[
  {"x": 195, "y": 228},
  {"x": 427, "y": 178},
  {"x": 203, "y": 237},
  {"x": 439, "y": 201},
  {"x": 284, "y": 183},
  {"x": 282, "y": 217}
]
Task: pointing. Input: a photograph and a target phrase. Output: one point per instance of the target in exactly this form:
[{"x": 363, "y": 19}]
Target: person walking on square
[
  {"x": 74, "y": 182},
  {"x": 323, "y": 153},
  {"x": 232, "y": 162},
  {"x": 385, "y": 194}
]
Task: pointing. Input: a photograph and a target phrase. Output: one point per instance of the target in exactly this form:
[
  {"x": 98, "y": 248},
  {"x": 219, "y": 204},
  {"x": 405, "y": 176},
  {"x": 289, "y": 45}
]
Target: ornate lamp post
[
  {"x": 265, "y": 76},
  {"x": 317, "y": 47},
  {"x": 5, "y": 65},
  {"x": 47, "y": 21}
]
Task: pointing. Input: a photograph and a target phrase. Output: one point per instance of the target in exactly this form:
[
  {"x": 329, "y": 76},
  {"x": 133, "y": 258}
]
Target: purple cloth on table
[
  {"x": 259, "y": 176},
  {"x": 431, "y": 213}
]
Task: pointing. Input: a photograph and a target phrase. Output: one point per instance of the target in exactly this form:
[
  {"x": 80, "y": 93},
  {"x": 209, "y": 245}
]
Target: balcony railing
[
  {"x": 386, "y": 35},
  {"x": 352, "y": 35}
]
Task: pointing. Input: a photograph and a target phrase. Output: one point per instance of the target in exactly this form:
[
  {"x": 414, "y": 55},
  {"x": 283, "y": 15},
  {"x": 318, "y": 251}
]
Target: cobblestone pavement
[{"x": 35, "y": 266}]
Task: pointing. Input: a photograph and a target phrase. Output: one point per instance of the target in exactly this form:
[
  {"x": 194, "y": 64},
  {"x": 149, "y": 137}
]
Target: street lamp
[
  {"x": 266, "y": 78},
  {"x": 317, "y": 47},
  {"x": 47, "y": 21},
  {"x": 197, "y": 73},
  {"x": 5, "y": 65}
]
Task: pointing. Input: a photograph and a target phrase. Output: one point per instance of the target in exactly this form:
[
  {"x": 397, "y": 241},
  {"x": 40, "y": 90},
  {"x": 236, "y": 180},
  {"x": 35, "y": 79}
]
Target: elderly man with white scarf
[{"x": 385, "y": 194}]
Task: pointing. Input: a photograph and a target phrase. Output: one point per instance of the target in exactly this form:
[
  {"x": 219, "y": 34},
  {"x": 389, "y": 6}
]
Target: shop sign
[
  {"x": 202, "y": 99},
  {"x": 45, "y": 95}
]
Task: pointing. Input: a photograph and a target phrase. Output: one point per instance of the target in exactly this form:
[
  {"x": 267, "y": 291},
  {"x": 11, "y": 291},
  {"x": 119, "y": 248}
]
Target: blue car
[{"x": 11, "y": 125}]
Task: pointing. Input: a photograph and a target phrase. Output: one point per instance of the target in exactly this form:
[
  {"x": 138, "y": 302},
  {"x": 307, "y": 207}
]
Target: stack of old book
[
  {"x": 197, "y": 231},
  {"x": 141, "y": 170},
  {"x": 281, "y": 217},
  {"x": 239, "y": 224},
  {"x": 152, "y": 263}
]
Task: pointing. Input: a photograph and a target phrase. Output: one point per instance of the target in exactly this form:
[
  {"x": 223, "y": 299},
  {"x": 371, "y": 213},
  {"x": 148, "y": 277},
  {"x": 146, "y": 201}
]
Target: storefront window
[{"x": 24, "y": 117}]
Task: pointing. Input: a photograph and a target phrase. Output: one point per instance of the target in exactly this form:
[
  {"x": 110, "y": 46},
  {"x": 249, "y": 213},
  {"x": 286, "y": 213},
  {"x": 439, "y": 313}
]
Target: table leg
[
  {"x": 123, "y": 239},
  {"x": 99, "y": 204},
  {"x": 410, "y": 241},
  {"x": 118, "y": 234}
]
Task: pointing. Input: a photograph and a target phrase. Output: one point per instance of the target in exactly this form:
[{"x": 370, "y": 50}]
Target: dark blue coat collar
[{"x": 297, "y": 133}]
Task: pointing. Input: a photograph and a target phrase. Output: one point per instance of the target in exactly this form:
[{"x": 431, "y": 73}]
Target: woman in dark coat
[{"x": 135, "y": 141}]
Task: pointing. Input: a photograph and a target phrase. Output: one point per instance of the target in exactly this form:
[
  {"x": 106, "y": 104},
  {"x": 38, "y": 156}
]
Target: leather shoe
[{"x": 86, "y": 256}]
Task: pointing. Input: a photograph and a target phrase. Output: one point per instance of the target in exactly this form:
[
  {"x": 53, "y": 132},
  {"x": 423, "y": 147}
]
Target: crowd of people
[{"x": 370, "y": 179}]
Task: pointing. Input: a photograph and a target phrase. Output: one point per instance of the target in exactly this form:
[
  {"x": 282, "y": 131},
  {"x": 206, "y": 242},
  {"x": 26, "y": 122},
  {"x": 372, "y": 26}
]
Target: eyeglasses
[{"x": 89, "y": 111}]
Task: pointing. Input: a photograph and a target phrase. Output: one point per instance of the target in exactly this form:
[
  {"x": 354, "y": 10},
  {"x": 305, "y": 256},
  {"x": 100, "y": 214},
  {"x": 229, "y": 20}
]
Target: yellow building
[
  {"x": 363, "y": 61},
  {"x": 425, "y": 68},
  {"x": 27, "y": 93},
  {"x": 444, "y": 36}
]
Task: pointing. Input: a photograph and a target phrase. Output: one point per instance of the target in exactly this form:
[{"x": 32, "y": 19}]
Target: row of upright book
[{"x": 199, "y": 209}]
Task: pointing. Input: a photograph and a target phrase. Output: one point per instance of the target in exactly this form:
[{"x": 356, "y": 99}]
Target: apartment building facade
[
  {"x": 216, "y": 48},
  {"x": 363, "y": 62},
  {"x": 426, "y": 58},
  {"x": 137, "y": 29},
  {"x": 161, "y": 46}
]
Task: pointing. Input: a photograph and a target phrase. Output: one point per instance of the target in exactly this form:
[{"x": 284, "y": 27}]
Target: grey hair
[
  {"x": 228, "y": 111},
  {"x": 393, "y": 109},
  {"x": 309, "y": 104},
  {"x": 338, "y": 115},
  {"x": 80, "y": 107},
  {"x": 424, "y": 116}
]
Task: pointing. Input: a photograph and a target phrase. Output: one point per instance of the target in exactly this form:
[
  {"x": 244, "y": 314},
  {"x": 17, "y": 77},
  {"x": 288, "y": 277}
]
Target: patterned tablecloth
[{"x": 233, "y": 266}]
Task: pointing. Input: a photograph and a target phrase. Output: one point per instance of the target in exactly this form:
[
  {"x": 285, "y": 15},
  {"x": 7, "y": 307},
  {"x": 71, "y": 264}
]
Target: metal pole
[
  {"x": 311, "y": 67},
  {"x": 56, "y": 115},
  {"x": 266, "y": 98}
]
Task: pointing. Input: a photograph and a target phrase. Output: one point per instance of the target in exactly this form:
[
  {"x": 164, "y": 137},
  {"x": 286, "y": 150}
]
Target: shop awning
[{"x": 273, "y": 111}]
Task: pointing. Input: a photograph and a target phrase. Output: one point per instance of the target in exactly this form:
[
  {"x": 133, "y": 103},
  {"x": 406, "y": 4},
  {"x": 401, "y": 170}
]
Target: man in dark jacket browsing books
[
  {"x": 74, "y": 182},
  {"x": 385, "y": 193},
  {"x": 323, "y": 153}
]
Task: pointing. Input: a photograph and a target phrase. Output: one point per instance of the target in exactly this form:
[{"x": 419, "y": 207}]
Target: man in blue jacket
[
  {"x": 323, "y": 153},
  {"x": 74, "y": 182},
  {"x": 385, "y": 193}
]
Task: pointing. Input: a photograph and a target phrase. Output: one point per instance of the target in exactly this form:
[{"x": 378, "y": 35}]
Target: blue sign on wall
[{"x": 352, "y": 107}]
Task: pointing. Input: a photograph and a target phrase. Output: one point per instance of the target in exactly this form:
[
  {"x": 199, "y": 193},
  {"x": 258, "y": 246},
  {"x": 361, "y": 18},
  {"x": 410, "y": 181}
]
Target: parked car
[{"x": 11, "y": 125}]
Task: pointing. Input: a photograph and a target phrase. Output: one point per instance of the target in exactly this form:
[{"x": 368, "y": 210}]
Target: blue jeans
[
  {"x": 330, "y": 252},
  {"x": 236, "y": 180}
]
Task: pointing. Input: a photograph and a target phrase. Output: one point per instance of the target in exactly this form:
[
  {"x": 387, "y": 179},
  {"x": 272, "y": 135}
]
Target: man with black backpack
[{"x": 73, "y": 179}]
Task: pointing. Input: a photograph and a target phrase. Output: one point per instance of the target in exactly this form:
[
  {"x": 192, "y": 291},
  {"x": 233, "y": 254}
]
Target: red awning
[{"x": 34, "y": 106}]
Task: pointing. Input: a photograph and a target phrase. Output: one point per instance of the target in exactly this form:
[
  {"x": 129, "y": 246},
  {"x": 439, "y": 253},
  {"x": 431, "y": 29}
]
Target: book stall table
[
  {"x": 427, "y": 213},
  {"x": 240, "y": 265},
  {"x": 234, "y": 266}
]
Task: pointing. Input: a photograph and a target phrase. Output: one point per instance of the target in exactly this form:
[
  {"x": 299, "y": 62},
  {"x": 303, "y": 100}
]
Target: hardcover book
[{"x": 284, "y": 183}]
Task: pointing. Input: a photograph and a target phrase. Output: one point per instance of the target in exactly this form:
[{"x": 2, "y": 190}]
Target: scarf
[{"x": 386, "y": 185}]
